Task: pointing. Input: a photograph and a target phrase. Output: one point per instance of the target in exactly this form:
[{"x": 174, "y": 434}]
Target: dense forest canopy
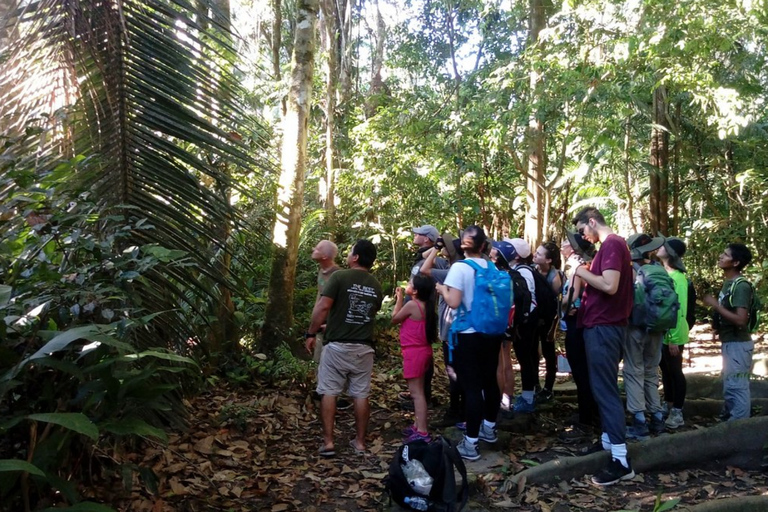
[{"x": 168, "y": 165}]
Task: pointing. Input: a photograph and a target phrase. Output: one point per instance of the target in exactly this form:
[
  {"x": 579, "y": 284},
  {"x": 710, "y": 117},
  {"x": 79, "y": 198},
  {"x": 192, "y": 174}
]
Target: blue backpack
[{"x": 491, "y": 304}]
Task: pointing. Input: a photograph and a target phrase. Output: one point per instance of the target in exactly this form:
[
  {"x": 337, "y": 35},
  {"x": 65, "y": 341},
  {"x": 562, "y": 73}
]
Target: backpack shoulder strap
[
  {"x": 740, "y": 279},
  {"x": 472, "y": 264},
  {"x": 450, "y": 495}
]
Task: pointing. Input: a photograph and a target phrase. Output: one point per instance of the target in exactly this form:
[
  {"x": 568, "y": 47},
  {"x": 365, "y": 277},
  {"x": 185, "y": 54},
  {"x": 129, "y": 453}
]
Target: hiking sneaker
[
  {"x": 410, "y": 429},
  {"x": 638, "y": 430},
  {"x": 675, "y": 419},
  {"x": 487, "y": 434},
  {"x": 462, "y": 425},
  {"x": 657, "y": 425},
  {"x": 418, "y": 436},
  {"x": 468, "y": 450},
  {"x": 575, "y": 433},
  {"x": 544, "y": 396},
  {"x": 613, "y": 473},
  {"x": 522, "y": 407}
]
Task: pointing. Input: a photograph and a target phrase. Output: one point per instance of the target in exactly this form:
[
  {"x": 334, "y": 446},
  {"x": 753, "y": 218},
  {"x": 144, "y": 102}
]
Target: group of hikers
[{"x": 483, "y": 299}]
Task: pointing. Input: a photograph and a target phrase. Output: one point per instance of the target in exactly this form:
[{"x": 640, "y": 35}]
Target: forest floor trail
[{"x": 256, "y": 449}]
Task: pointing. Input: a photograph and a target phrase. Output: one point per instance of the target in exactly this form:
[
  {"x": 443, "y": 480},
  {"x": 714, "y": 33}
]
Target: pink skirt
[{"x": 416, "y": 360}]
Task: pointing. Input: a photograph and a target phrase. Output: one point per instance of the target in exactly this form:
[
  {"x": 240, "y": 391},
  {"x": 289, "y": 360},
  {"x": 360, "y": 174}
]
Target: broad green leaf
[
  {"x": 74, "y": 421},
  {"x": 667, "y": 505},
  {"x": 163, "y": 355},
  {"x": 135, "y": 426},
  {"x": 20, "y": 465}
]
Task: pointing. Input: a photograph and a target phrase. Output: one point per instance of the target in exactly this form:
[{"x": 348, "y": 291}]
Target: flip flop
[
  {"x": 326, "y": 452},
  {"x": 355, "y": 449}
]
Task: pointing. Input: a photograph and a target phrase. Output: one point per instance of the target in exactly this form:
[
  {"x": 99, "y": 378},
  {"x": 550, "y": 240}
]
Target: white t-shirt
[
  {"x": 527, "y": 274},
  {"x": 462, "y": 277}
]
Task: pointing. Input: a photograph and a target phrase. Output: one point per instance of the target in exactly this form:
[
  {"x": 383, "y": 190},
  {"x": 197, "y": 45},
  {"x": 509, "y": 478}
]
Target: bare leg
[
  {"x": 505, "y": 373},
  {"x": 416, "y": 386},
  {"x": 328, "y": 418},
  {"x": 362, "y": 413}
]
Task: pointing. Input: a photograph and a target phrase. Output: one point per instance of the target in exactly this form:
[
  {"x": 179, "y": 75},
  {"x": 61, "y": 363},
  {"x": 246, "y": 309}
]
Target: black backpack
[
  {"x": 546, "y": 299},
  {"x": 439, "y": 458},
  {"x": 522, "y": 299}
]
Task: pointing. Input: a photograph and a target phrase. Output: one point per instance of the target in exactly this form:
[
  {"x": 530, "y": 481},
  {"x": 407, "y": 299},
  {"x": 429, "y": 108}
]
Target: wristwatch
[{"x": 308, "y": 335}]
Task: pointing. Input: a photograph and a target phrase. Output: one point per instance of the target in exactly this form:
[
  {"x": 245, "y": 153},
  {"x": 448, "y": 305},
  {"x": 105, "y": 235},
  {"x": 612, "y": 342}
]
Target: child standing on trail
[
  {"x": 417, "y": 333},
  {"x": 731, "y": 322}
]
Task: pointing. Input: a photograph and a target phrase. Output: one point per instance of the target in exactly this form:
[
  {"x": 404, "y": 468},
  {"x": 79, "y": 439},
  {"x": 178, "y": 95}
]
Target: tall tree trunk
[
  {"x": 659, "y": 179},
  {"x": 628, "y": 175},
  {"x": 276, "y": 42},
  {"x": 331, "y": 38},
  {"x": 535, "y": 181},
  {"x": 285, "y": 238}
]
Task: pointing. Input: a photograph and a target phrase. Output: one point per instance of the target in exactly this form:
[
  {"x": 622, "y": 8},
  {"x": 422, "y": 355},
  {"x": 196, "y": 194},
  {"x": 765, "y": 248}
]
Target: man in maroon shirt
[{"x": 605, "y": 308}]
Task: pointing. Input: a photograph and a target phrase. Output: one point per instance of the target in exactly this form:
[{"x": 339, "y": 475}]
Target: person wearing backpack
[
  {"x": 672, "y": 376},
  {"x": 642, "y": 346},
  {"x": 475, "y": 355},
  {"x": 732, "y": 324},
  {"x": 517, "y": 253},
  {"x": 605, "y": 308},
  {"x": 547, "y": 261}
]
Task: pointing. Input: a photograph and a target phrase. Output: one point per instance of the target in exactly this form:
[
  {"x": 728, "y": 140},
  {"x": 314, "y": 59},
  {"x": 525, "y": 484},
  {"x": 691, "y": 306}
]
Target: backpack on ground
[
  {"x": 690, "y": 313},
  {"x": 521, "y": 307},
  {"x": 546, "y": 299},
  {"x": 655, "y": 301},
  {"x": 439, "y": 458},
  {"x": 754, "y": 304},
  {"x": 491, "y": 301}
]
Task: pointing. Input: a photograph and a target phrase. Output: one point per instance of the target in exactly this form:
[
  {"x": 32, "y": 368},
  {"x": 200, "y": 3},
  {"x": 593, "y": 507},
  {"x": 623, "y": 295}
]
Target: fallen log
[
  {"x": 739, "y": 443},
  {"x": 740, "y": 504}
]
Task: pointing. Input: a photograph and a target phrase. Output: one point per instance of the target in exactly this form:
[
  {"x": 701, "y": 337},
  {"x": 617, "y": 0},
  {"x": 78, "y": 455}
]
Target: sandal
[
  {"x": 327, "y": 452},
  {"x": 355, "y": 449}
]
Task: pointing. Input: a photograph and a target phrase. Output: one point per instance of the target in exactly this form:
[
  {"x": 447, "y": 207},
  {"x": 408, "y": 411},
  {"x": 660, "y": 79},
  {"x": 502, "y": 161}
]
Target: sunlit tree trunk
[
  {"x": 535, "y": 181},
  {"x": 285, "y": 238},
  {"x": 659, "y": 179},
  {"x": 330, "y": 37},
  {"x": 276, "y": 42},
  {"x": 628, "y": 175}
]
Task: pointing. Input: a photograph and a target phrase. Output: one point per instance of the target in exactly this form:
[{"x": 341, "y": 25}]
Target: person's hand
[
  {"x": 710, "y": 301},
  {"x": 310, "y": 344},
  {"x": 322, "y": 328},
  {"x": 674, "y": 350},
  {"x": 399, "y": 293}
]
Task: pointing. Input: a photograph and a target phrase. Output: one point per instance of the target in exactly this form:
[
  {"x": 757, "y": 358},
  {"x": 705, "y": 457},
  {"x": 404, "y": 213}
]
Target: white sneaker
[
  {"x": 675, "y": 419},
  {"x": 487, "y": 434},
  {"x": 468, "y": 450}
]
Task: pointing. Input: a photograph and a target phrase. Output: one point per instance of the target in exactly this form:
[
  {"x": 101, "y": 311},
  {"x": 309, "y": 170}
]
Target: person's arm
[
  {"x": 451, "y": 296},
  {"x": 401, "y": 312},
  {"x": 607, "y": 282},
  {"x": 319, "y": 315},
  {"x": 557, "y": 284},
  {"x": 739, "y": 317},
  {"x": 429, "y": 261}
]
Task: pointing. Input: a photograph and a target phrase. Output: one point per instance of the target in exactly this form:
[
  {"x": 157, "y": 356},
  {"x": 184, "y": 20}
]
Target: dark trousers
[
  {"x": 672, "y": 376},
  {"x": 456, "y": 404},
  {"x": 604, "y": 351},
  {"x": 526, "y": 346},
  {"x": 577, "y": 357},
  {"x": 476, "y": 358},
  {"x": 549, "y": 353}
]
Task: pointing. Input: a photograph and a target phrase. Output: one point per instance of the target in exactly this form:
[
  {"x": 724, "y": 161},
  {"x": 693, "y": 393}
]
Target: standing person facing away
[
  {"x": 351, "y": 298},
  {"x": 605, "y": 307},
  {"x": 418, "y": 330},
  {"x": 671, "y": 254},
  {"x": 476, "y": 355},
  {"x": 731, "y": 322}
]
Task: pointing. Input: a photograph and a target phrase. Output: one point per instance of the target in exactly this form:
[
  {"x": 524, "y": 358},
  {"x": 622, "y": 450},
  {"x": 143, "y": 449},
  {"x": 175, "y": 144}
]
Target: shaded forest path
[{"x": 256, "y": 449}]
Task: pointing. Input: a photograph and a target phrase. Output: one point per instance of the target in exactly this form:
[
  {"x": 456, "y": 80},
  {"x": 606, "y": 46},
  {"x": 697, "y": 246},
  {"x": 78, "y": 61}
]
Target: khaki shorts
[
  {"x": 319, "y": 339},
  {"x": 343, "y": 364}
]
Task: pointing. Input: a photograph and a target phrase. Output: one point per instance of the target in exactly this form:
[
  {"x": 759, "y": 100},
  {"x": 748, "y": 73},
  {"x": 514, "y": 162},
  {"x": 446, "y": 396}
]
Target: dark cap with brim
[
  {"x": 453, "y": 247},
  {"x": 640, "y": 244},
  {"x": 675, "y": 250},
  {"x": 580, "y": 246}
]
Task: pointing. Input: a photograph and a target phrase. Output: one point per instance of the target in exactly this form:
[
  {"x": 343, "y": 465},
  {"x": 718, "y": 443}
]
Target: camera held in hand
[{"x": 440, "y": 243}]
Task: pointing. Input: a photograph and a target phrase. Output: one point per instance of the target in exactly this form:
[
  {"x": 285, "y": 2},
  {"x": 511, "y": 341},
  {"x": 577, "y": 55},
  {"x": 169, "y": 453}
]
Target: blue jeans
[
  {"x": 737, "y": 369},
  {"x": 604, "y": 345}
]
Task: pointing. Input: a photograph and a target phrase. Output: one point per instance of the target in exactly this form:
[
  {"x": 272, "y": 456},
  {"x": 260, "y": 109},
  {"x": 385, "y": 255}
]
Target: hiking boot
[
  {"x": 522, "y": 407},
  {"x": 487, "y": 434},
  {"x": 544, "y": 396},
  {"x": 468, "y": 450},
  {"x": 410, "y": 429},
  {"x": 613, "y": 473},
  {"x": 675, "y": 419},
  {"x": 418, "y": 436},
  {"x": 342, "y": 404},
  {"x": 657, "y": 425},
  {"x": 462, "y": 425},
  {"x": 638, "y": 430}
]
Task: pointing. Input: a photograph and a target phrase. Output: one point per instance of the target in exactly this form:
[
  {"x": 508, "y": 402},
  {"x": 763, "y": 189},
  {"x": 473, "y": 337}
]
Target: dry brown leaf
[
  {"x": 280, "y": 507},
  {"x": 205, "y": 445},
  {"x": 177, "y": 487}
]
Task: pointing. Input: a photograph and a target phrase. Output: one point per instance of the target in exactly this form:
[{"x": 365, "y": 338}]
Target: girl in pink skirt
[{"x": 417, "y": 333}]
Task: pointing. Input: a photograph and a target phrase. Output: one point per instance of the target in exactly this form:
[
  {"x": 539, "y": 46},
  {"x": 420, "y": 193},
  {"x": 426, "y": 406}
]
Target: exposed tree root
[
  {"x": 739, "y": 443},
  {"x": 740, "y": 504}
]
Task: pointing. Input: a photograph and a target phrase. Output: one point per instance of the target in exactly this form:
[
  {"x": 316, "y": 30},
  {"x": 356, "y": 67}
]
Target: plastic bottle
[
  {"x": 417, "y": 477},
  {"x": 417, "y": 502}
]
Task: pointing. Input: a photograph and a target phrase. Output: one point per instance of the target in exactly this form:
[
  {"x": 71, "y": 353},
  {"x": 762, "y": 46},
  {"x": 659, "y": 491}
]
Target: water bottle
[
  {"x": 417, "y": 477},
  {"x": 417, "y": 502}
]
